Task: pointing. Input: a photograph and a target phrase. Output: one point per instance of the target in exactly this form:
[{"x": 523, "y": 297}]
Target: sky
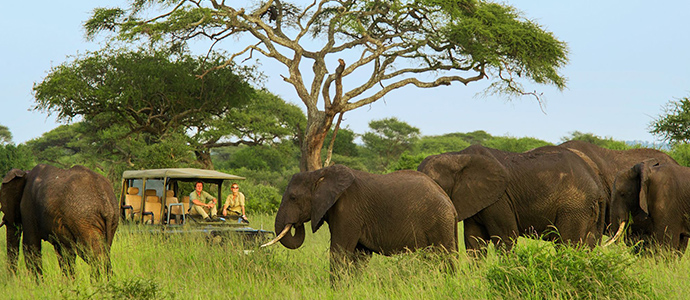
[{"x": 627, "y": 61}]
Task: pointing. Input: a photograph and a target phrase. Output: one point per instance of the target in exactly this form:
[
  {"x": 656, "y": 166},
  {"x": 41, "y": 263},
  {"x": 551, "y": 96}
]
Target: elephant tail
[{"x": 110, "y": 228}]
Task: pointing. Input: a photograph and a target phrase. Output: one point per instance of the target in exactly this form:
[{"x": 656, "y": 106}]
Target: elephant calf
[
  {"x": 657, "y": 196},
  {"x": 75, "y": 210},
  {"x": 367, "y": 213}
]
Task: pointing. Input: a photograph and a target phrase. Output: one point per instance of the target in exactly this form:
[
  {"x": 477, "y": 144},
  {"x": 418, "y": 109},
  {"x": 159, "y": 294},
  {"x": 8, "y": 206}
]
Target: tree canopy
[
  {"x": 388, "y": 44},
  {"x": 388, "y": 139},
  {"x": 5, "y": 135},
  {"x": 132, "y": 99},
  {"x": 674, "y": 124}
]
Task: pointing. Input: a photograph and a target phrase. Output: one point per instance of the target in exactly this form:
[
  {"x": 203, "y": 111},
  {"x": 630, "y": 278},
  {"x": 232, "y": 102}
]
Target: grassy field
[{"x": 169, "y": 267}]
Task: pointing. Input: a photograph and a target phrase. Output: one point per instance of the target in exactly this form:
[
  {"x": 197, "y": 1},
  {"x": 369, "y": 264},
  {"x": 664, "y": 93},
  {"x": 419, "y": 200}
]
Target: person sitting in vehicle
[
  {"x": 234, "y": 204},
  {"x": 200, "y": 202}
]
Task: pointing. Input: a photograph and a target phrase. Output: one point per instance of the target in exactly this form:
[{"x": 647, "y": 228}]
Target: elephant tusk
[
  {"x": 615, "y": 236},
  {"x": 280, "y": 236},
  {"x": 2, "y": 224}
]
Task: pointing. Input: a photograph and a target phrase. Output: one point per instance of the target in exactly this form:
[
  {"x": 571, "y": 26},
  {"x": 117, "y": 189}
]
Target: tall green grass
[{"x": 148, "y": 266}]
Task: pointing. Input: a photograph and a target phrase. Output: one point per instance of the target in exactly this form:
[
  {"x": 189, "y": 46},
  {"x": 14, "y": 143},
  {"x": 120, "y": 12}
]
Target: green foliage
[
  {"x": 275, "y": 157},
  {"x": 440, "y": 144},
  {"x": 608, "y": 143},
  {"x": 453, "y": 40},
  {"x": 512, "y": 144},
  {"x": 388, "y": 139},
  {"x": 5, "y": 135},
  {"x": 263, "y": 189},
  {"x": 136, "y": 288},
  {"x": 408, "y": 162},
  {"x": 498, "y": 35},
  {"x": 344, "y": 143},
  {"x": 15, "y": 157},
  {"x": 681, "y": 153},
  {"x": 674, "y": 124},
  {"x": 539, "y": 270}
]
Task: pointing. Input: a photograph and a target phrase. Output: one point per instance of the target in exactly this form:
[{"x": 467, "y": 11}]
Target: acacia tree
[
  {"x": 141, "y": 98},
  {"x": 395, "y": 43},
  {"x": 674, "y": 125}
]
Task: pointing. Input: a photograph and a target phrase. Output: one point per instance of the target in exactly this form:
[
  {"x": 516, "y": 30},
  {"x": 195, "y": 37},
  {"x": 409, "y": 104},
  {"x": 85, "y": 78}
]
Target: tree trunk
[
  {"x": 317, "y": 128},
  {"x": 204, "y": 158}
]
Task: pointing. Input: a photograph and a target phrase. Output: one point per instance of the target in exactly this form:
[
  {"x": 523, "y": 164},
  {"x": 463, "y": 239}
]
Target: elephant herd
[{"x": 573, "y": 193}]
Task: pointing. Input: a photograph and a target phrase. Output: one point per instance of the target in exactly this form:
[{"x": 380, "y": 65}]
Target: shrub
[{"x": 539, "y": 270}]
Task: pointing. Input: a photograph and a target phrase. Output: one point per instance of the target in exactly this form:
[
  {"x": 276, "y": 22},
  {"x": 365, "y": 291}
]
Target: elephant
[
  {"x": 657, "y": 198},
  {"x": 367, "y": 213},
  {"x": 609, "y": 162},
  {"x": 502, "y": 195},
  {"x": 74, "y": 209}
]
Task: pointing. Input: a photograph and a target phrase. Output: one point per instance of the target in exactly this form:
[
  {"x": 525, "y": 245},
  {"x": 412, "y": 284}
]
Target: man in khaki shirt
[{"x": 199, "y": 202}]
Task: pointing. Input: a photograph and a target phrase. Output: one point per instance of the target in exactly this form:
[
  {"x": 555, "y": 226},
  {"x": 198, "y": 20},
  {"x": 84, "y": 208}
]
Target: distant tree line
[{"x": 389, "y": 145}]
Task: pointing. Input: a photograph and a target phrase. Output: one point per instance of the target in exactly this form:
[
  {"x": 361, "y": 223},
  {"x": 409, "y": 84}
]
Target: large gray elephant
[
  {"x": 367, "y": 213},
  {"x": 610, "y": 162},
  {"x": 502, "y": 195},
  {"x": 75, "y": 210},
  {"x": 657, "y": 197}
]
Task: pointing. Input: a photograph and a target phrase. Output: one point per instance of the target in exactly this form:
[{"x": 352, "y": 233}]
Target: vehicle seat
[
  {"x": 153, "y": 208},
  {"x": 173, "y": 206},
  {"x": 132, "y": 204}
]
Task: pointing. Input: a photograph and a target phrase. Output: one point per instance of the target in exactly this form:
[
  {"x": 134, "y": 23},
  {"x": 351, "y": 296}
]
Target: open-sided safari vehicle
[{"x": 160, "y": 197}]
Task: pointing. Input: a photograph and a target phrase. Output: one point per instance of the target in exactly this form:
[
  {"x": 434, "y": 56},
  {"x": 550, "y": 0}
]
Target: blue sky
[{"x": 627, "y": 61}]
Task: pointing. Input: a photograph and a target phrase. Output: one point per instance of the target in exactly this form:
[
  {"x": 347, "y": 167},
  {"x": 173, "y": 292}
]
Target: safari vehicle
[{"x": 158, "y": 198}]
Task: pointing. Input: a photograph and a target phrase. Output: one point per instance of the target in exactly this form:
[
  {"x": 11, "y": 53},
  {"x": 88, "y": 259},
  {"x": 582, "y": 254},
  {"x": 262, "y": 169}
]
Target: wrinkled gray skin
[
  {"x": 74, "y": 209},
  {"x": 502, "y": 195},
  {"x": 610, "y": 162},
  {"x": 658, "y": 197},
  {"x": 368, "y": 213}
]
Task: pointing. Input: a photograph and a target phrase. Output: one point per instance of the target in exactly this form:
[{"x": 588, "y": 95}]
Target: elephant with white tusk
[
  {"x": 656, "y": 197},
  {"x": 367, "y": 213}
]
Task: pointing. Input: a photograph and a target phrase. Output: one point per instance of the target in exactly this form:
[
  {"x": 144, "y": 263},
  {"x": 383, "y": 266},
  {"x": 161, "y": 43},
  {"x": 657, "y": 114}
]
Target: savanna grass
[{"x": 155, "y": 266}]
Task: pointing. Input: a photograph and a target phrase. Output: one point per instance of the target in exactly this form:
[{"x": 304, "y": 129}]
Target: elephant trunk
[{"x": 289, "y": 240}]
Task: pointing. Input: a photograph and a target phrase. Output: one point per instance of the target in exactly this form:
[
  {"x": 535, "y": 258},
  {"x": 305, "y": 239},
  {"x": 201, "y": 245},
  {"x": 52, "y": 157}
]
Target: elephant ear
[
  {"x": 480, "y": 181},
  {"x": 330, "y": 183},
  {"x": 11, "y": 195},
  {"x": 644, "y": 169},
  {"x": 12, "y": 174}
]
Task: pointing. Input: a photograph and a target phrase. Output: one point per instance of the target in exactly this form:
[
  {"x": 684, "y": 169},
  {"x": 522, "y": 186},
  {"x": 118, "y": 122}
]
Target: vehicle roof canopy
[{"x": 180, "y": 174}]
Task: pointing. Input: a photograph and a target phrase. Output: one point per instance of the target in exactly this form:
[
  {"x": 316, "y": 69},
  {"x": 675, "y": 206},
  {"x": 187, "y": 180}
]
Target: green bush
[
  {"x": 681, "y": 153},
  {"x": 540, "y": 270},
  {"x": 512, "y": 144},
  {"x": 263, "y": 189}
]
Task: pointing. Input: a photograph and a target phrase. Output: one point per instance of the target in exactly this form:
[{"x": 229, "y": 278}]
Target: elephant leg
[
  {"x": 665, "y": 235},
  {"x": 476, "y": 238},
  {"x": 14, "y": 234},
  {"x": 66, "y": 258},
  {"x": 31, "y": 243},
  {"x": 501, "y": 224},
  {"x": 95, "y": 252},
  {"x": 361, "y": 257},
  {"x": 577, "y": 227}
]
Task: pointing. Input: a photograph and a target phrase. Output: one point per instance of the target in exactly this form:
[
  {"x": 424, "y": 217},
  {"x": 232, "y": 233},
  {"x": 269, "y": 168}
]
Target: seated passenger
[
  {"x": 199, "y": 202},
  {"x": 234, "y": 204}
]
